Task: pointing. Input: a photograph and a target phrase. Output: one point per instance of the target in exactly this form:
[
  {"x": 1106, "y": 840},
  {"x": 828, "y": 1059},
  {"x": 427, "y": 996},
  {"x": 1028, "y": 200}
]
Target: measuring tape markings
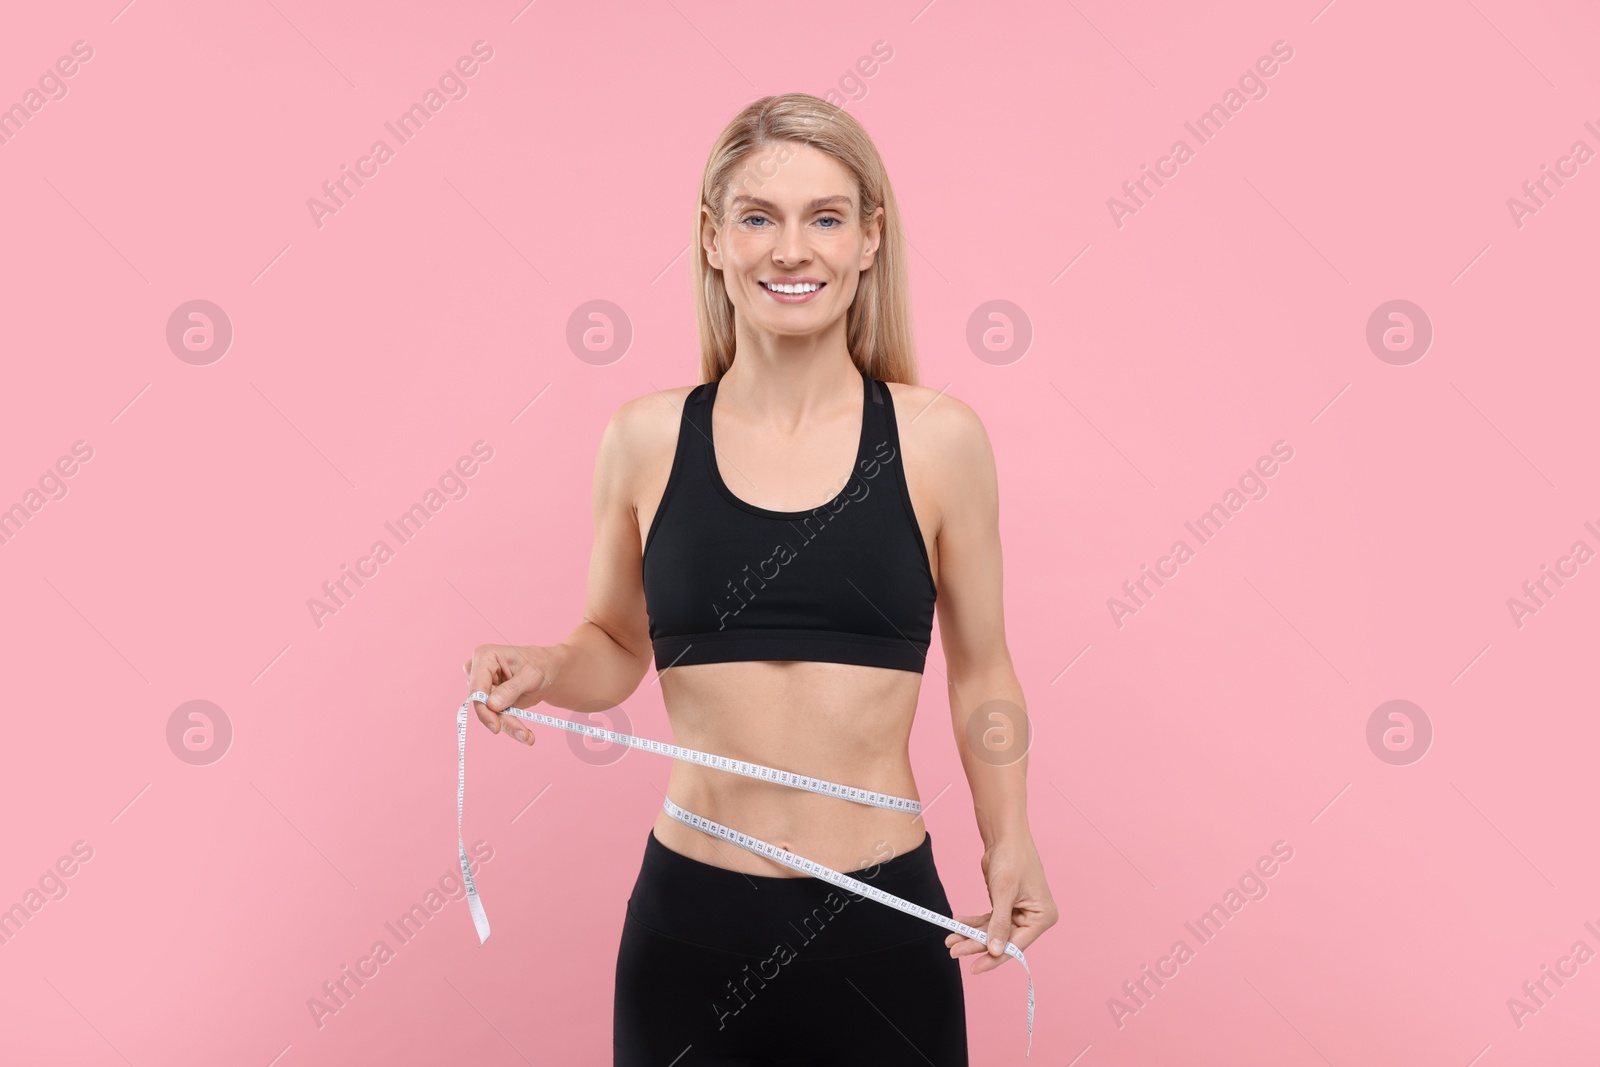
[{"x": 480, "y": 918}]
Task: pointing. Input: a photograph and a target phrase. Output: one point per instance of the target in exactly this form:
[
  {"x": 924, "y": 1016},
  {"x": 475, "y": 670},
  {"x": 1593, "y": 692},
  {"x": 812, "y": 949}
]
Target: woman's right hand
[{"x": 514, "y": 676}]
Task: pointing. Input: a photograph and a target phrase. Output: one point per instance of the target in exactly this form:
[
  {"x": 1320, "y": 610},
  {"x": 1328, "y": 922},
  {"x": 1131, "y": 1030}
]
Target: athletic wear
[
  {"x": 719, "y": 967},
  {"x": 848, "y": 581}
]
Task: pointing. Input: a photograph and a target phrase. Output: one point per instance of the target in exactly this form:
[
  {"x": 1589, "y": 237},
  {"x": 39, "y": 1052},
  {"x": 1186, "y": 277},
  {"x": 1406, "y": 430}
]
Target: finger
[
  {"x": 479, "y": 682},
  {"x": 962, "y": 945},
  {"x": 507, "y": 694},
  {"x": 487, "y": 717},
  {"x": 969, "y": 947},
  {"x": 978, "y": 921},
  {"x": 1000, "y": 922},
  {"x": 484, "y": 670},
  {"x": 987, "y": 962},
  {"x": 524, "y": 680},
  {"x": 1023, "y": 936},
  {"x": 518, "y": 728}
]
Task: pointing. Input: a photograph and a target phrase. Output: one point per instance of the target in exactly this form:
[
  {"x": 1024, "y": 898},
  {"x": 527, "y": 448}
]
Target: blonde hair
[{"x": 878, "y": 322}]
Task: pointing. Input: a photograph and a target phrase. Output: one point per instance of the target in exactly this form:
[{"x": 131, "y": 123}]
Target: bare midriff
[{"x": 840, "y": 722}]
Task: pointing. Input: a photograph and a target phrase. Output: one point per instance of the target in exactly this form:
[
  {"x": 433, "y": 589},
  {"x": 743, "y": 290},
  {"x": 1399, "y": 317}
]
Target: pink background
[{"x": 1168, "y": 354}]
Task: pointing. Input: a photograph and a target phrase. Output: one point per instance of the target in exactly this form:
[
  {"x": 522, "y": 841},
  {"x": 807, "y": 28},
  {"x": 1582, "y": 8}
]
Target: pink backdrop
[{"x": 1133, "y": 365}]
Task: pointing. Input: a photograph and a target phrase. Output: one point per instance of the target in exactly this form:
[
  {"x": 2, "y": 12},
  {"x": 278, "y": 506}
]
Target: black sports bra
[{"x": 848, "y": 581}]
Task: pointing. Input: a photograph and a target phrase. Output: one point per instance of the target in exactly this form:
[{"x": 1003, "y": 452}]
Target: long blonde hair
[{"x": 878, "y": 322}]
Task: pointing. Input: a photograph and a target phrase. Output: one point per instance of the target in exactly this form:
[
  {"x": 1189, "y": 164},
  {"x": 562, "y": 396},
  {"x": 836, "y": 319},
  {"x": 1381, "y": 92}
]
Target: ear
[
  {"x": 873, "y": 229},
  {"x": 708, "y": 238}
]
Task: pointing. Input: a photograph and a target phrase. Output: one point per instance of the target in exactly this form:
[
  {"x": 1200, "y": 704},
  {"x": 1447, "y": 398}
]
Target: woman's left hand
[{"x": 1022, "y": 906}]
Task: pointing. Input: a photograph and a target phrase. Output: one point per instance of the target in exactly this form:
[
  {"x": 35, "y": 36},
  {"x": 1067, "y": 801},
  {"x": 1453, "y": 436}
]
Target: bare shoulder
[
  {"x": 646, "y": 424},
  {"x": 936, "y": 424},
  {"x": 947, "y": 455},
  {"x": 638, "y": 444}
]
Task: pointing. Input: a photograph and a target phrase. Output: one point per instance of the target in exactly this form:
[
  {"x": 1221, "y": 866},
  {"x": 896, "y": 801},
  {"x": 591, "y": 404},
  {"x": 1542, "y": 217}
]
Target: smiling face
[{"x": 792, "y": 244}]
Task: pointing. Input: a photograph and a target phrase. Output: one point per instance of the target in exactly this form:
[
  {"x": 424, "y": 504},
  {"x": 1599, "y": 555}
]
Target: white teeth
[{"x": 806, "y": 287}]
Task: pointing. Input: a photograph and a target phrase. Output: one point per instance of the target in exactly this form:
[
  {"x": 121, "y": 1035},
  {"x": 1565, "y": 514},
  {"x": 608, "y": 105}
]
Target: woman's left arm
[{"x": 987, "y": 709}]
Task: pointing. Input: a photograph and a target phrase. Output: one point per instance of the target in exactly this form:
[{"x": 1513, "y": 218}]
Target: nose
[{"x": 790, "y": 248}]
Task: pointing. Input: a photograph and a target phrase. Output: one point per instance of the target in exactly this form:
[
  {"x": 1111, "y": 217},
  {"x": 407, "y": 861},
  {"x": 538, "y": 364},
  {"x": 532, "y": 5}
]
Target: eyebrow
[{"x": 821, "y": 201}]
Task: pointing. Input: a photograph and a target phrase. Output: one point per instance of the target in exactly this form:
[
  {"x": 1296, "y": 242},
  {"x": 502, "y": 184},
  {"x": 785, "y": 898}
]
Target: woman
[{"x": 793, "y": 634}]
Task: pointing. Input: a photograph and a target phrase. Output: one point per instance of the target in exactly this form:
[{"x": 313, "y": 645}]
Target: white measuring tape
[{"x": 761, "y": 848}]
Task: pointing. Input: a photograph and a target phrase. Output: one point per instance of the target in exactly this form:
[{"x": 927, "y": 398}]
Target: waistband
[{"x": 748, "y": 914}]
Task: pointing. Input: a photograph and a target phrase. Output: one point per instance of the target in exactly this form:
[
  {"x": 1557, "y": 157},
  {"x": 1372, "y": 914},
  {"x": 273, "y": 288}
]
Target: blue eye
[{"x": 837, "y": 222}]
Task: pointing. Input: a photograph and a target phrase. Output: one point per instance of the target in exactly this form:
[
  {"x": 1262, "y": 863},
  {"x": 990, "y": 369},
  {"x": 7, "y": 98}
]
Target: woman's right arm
[{"x": 605, "y": 657}]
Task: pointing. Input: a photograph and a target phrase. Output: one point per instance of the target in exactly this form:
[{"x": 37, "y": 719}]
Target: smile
[{"x": 792, "y": 294}]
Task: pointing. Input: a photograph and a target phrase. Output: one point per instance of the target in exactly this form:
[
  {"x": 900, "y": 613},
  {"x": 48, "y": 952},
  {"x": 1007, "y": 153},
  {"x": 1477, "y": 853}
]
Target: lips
[
  {"x": 804, "y": 296},
  {"x": 768, "y": 286}
]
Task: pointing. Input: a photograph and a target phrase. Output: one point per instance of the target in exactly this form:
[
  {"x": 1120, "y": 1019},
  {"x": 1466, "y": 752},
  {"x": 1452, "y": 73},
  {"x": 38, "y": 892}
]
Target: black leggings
[{"x": 719, "y": 967}]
